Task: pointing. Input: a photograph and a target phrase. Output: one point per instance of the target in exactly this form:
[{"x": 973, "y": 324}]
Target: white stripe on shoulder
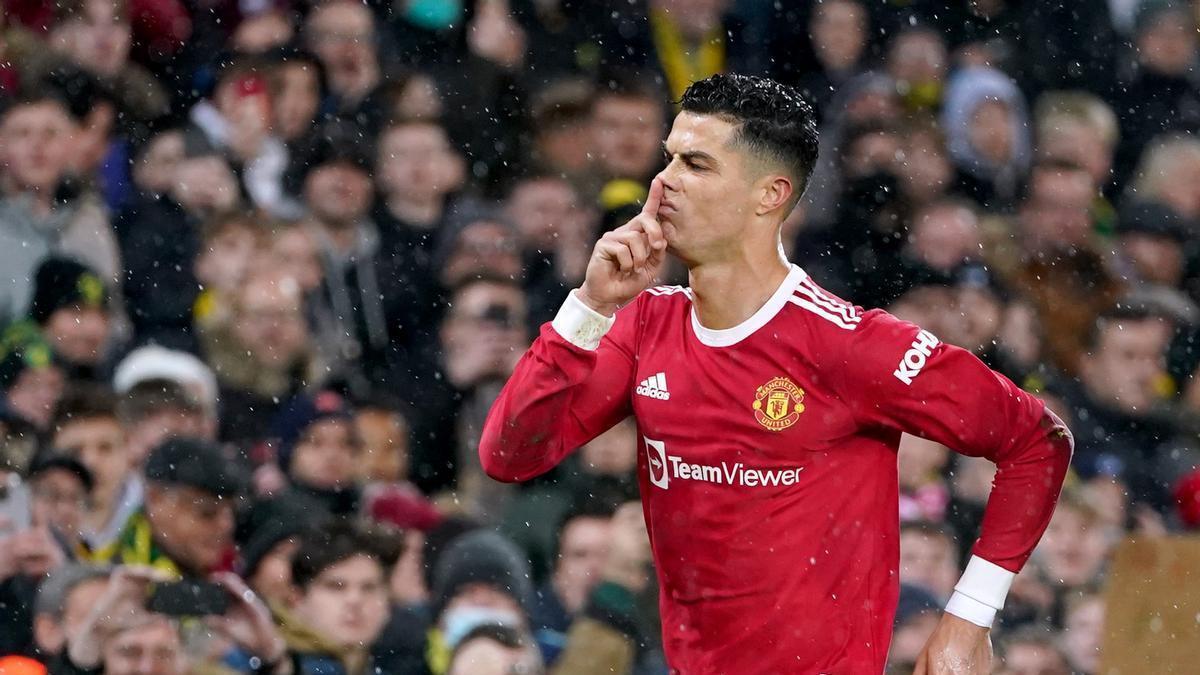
[
  {"x": 824, "y": 299},
  {"x": 833, "y": 317},
  {"x": 668, "y": 290}
]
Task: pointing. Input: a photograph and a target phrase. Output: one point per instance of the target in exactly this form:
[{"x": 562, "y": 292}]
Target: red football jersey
[{"x": 767, "y": 460}]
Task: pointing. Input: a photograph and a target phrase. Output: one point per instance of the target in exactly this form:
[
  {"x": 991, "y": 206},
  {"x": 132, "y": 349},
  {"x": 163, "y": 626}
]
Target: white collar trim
[{"x": 726, "y": 337}]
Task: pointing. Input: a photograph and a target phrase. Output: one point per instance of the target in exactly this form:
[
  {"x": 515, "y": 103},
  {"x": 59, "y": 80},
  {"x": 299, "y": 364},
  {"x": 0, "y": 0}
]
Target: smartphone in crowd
[
  {"x": 188, "y": 598},
  {"x": 16, "y": 515}
]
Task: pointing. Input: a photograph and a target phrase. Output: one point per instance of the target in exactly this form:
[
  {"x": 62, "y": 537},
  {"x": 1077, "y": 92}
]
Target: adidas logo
[{"x": 654, "y": 386}]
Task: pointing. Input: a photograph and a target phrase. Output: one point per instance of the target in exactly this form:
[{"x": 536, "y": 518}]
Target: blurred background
[{"x": 266, "y": 263}]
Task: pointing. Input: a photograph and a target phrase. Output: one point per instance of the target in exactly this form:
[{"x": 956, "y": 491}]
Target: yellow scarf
[{"x": 679, "y": 62}]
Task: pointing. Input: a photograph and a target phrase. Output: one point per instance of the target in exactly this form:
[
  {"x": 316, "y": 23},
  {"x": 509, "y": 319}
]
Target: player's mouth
[{"x": 666, "y": 208}]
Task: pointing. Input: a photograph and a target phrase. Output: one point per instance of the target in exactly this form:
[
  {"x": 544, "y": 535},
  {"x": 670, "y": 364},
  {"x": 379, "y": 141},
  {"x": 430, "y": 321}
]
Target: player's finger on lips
[{"x": 653, "y": 198}]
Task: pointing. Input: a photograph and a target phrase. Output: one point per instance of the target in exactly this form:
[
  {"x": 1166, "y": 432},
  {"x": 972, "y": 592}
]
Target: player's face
[{"x": 707, "y": 192}]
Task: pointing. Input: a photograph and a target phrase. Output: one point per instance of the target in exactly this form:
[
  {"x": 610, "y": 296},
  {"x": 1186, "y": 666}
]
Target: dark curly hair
[
  {"x": 775, "y": 122},
  {"x": 337, "y": 540}
]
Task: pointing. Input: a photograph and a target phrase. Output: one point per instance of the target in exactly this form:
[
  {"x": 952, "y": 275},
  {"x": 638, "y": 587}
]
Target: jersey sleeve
[
  {"x": 572, "y": 384},
  {"x": 896, "y": 375}
]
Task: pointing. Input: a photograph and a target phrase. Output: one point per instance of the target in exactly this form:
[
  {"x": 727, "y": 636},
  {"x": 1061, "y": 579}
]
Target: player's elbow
[{"x": 498, "y": 460}]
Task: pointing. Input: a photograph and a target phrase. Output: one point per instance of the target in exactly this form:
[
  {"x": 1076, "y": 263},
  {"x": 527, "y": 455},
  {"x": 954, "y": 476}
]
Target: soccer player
[{"x": 769, "y": 412}]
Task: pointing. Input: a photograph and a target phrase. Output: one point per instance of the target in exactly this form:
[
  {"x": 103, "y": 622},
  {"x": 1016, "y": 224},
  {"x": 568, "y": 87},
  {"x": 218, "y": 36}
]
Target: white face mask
[{"x": 457, "y": 622}]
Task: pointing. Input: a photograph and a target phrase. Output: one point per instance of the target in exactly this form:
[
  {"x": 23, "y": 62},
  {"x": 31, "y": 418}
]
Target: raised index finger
[{"x": 653, "y": 199}]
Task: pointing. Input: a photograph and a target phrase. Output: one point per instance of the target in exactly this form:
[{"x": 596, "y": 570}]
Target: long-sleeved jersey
[{"x": 767, "y": 462}]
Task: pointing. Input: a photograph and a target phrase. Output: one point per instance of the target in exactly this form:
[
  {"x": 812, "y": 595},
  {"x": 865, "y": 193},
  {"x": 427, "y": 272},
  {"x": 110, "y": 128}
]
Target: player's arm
[
  {"x": 899, "y": 376},
  {"x": 574, "y": 382}
]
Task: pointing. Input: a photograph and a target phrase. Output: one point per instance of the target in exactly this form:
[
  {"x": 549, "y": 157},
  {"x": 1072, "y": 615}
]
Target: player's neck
[{"x": 726, "y": 294}]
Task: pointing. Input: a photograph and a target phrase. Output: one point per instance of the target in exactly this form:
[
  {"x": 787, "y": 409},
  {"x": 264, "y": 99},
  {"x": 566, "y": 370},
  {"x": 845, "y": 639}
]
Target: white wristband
[
  {"x": 581, "y": 325},
  {"x": 980, "y": 592}
]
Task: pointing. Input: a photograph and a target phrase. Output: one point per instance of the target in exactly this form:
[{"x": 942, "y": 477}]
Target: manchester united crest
[{"x": 778, "y": 404}]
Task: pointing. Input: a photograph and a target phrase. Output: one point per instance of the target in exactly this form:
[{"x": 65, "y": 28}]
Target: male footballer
[{"x": 769, "y": 412}]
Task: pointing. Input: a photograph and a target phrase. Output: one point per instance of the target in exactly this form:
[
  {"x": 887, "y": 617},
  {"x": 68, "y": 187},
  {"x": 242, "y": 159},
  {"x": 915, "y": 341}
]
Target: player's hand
[
  {"x": 957, "y": 647},
  {"x": 626, "y": 260}
]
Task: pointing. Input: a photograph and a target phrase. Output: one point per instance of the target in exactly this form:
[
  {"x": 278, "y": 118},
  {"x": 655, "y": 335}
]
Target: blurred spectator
[
  {"x": 87, "y": 429},
  {"x": 262, "y": 30},
  {"x": 64, "y": 601},
  {"x": 923, "y": 490},
  {"x": 581, "y": 549},
  {"x": 929, "y": 558},
  {"x": 228, "y": 247},
  {"x": 628, "y": 120},
  {"x": 31, "y": 378},
  {"x": 385, "y": 434},
  {"x": 186, "y": 525},
  {"x": 295, "y": 80},
  {"x": 262, "y": 352},
  {"x": 839, "y": 31},
  {"x": 180, "y": 370},
  {"x": 1074, "y": 550},
  {"x": 482, "y": 338},
  {"x": 272, "y": 535},
  {"x": 480, "y": 579},
  {"x": 988, "y": 135},
  {"x": 1057, "y": 261},
  {"x": 340, "y": 572},
  {"x": 555, "y": 229},
  {"x": 160, "y": 239},
  {"x": 919, "y": 63},
  {"x": 495, "y": 650},
  {"x": 44, "y": 211},
  {"x": 916, "y": 616},
  {"x": 1080, "y": 128},
  {"x": 159, "y": 408},
  {"x": 60, "y": 487},
  {"x": 1121, "y": 382},
  {"x": 1162, "y": 94},
  {"x": 1083, "y": 630},
  {"x": 95, "y": 35},
  {"x": 353, "y": 311},
  {"x": 71, "y": 305},
  {"x": 318, "y": 449},
  {"x": 343, "y": 36},
  {"x": 236, "y": 119},
  {"x": 1166, "y": 173},
  {"x": 1152, "y": 240},
  {"x": 1031, "y": 652}
]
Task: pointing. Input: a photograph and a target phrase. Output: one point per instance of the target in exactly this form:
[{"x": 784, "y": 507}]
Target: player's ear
[{"x": 776, "y": 192}]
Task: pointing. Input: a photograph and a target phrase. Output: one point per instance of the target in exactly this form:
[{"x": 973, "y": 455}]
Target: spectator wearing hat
[
  {"x": 31, "y": 378},
  {"x": 71, "y": 305},
  {"x": 1152, "y": 241},
  {"x": 318, "y": 449},
  {"x": 482, "y": 578},
  {"x": 272, "y": 534},
  {"x": 186, "y": 526}
]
